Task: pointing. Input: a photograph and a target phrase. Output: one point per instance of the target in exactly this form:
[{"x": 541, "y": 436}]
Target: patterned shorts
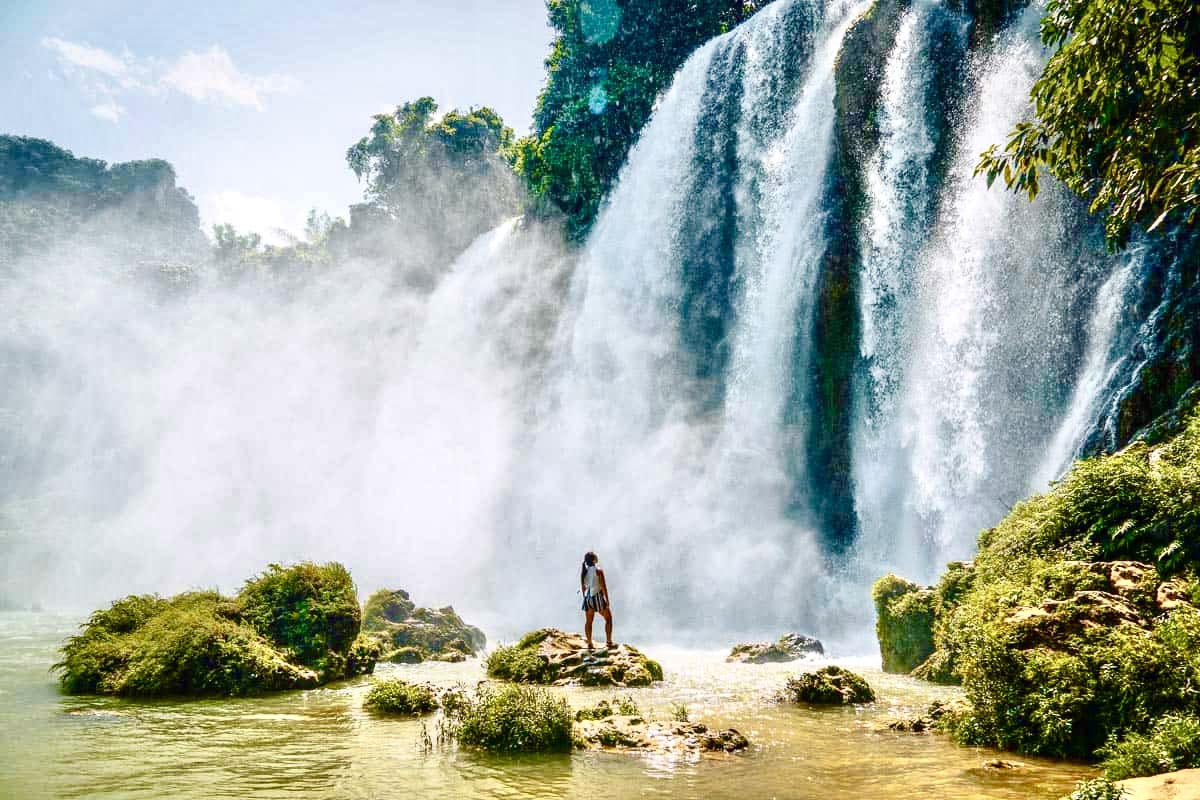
[{"x": 594, "y": 602}]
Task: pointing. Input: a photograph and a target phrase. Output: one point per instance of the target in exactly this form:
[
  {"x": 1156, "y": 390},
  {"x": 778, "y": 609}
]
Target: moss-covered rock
[
  {"x": 551, "y": 656},
  {"x": 903, "y": 623},
  {"x": 832, "y": 685},
  {"x": 289, "y": 628},
  {"x": 791, "y": 646},
  {"x": 1077, "y": 628},
  {"x": 410, "y": 634}
]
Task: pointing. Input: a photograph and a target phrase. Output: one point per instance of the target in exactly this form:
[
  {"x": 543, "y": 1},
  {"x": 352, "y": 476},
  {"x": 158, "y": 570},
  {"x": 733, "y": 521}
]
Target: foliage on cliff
[
  {"x": 410, "y": 635},
  {"x": 1078, "y": 627},
  {"x": 290, "y": 627},
  {"x": 609, "y": 61},
  {"x": 1117, "y": 112},
  {"x": 431, "y": 185},
  {"x": 48, "y": 195}
]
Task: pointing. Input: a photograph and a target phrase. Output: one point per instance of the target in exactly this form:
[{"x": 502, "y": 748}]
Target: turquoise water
[{"x": 321, "y": 744}]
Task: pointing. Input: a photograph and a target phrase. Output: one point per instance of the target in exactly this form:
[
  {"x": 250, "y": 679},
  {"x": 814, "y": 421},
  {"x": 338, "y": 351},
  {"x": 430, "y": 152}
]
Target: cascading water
[
  {"x": 986, "y": 332},
  {"x": 685, "y": 493},
  {"x": 660, "y": 403}
]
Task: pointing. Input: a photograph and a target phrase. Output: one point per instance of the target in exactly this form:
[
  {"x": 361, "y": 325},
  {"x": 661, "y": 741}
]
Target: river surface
[{"x": 322, "y": 744}]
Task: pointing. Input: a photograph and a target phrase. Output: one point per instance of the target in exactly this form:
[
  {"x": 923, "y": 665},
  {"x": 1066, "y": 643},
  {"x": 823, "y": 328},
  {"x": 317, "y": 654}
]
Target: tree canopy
[
  {"x": 1117, "y": 112},
  {"x": 609, "y": 61}
]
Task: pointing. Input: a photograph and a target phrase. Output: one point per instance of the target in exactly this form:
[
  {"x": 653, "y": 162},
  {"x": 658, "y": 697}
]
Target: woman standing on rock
[{"x": 595, "y": 598}]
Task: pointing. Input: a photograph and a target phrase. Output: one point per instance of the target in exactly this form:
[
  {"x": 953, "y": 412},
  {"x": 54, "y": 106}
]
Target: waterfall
[
  {"x": 987, "y": 330},
  {"x": 679, "y": 345},
  {"x": 901, "y": 190},
  {"x": 662, "y": 396}
]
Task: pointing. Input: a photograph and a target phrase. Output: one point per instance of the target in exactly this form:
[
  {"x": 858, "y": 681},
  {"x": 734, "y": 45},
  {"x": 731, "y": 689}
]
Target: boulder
[
  {"x": 633, "y": 732},
  {"x": 551, "y": 656},
  {"x": 904, "y": 618},
  {"x": 410, "y": 634},
  {"x": 791, "y": 646},
  {"x": 830, "y": 685},
  {"x": 1181, "y": 785}
]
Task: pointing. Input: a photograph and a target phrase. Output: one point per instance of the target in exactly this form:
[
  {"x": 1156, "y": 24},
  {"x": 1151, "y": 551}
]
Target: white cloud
[
  {"x": 212, "y": 76},
  {"x": 206, "y": 77},
  {"x": 89, "y": 58},
  {"x": 110, "y": 111}
]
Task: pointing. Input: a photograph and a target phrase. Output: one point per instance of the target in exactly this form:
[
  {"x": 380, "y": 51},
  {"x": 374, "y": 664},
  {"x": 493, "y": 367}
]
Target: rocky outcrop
[
  {"x": 830, "y": 685},
  {"x": 410, "y": 634},
  {"x": 790, "y": 647},
  {"x": 903, "y": 623},
  {"x": 1181, "y": 785},
  {"x": 551, "y": 656},
  {"x": 634, "y": 732}
]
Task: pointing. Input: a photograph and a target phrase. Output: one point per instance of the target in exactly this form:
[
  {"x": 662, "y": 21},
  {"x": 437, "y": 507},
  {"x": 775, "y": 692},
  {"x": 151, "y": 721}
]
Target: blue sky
[{"x": 255, "y": 103}]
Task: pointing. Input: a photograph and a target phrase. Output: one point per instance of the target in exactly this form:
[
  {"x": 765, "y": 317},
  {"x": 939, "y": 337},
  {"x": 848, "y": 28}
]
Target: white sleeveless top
[{"x": 591, "y": 581}]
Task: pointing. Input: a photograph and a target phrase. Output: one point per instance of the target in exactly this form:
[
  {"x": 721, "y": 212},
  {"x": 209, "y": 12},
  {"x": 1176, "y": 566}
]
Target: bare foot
[{"x": 609, "y": 645}]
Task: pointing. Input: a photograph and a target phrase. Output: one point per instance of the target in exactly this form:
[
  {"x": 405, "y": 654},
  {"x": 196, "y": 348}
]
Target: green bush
[
  {"x": 394, "y": 696},
  {"x": 309, "y": 609},
  {"x": 187, "y": 646},
  {"x": 1172, "y": 743},
  {"x": 513, "y": 719},
  {"x": 203, "y": 643},
  {"x": 1058, "y": 653},
  {"x": 830, "y": 685},
  {"x": 1097, "y": 789},
  {"x": 518, "y": 663}
]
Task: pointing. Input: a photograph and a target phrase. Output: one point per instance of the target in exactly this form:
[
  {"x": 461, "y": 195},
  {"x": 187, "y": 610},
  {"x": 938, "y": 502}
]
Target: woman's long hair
[{"x": 589, "y": 558}]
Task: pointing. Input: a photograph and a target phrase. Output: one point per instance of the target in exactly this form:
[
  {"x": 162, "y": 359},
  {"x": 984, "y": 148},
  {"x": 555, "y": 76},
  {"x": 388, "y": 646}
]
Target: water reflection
[{"x": 322, "y": 744}]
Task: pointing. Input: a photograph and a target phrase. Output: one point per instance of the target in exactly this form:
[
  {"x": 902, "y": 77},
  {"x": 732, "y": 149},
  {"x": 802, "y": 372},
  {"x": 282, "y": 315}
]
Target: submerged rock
[
  {"x": 791, "y": 646},
  {"x": 830, "y": 685},
  {"x": 410, "y": 635},
  {"x": 551, "y": 656},
  {"x": 633, "y": 732},
  {"x": 289, "y": 628}
]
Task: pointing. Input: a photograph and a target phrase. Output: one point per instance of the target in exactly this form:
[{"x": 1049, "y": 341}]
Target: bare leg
[
  {"x": 607, "y": 628},
  {"x": 587, "y": 626}
]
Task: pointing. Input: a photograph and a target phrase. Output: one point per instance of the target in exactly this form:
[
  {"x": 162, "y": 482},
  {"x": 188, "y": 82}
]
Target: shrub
[
  {"x": 830, "y": 685},
  {"x": 516, "y": 663},
  {"x": 309, "y": 609},
  {"x": 187, "y": 646},
  {"x": 1097, "y": 789},
  {"x": 513, "y": 718},
  {"x": 1172, "y": 743},
  {"x": 203, "y": 643},
  {"x": 394, "y": 696}
]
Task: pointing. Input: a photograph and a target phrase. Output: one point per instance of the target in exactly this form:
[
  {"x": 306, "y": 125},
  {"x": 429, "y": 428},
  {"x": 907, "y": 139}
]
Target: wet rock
[
  {"x": 830, "y": 685},
  {"x": 633, "y": 732},
  {"x": 410, "y": 634},
  {"x": 1056, "y": 620},
  {"x": 791, "y": 646},
  {"x": 551, "y": 656},
  {"x": 910, "y": 725},
  {"x": 1001, "y": 764}
]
